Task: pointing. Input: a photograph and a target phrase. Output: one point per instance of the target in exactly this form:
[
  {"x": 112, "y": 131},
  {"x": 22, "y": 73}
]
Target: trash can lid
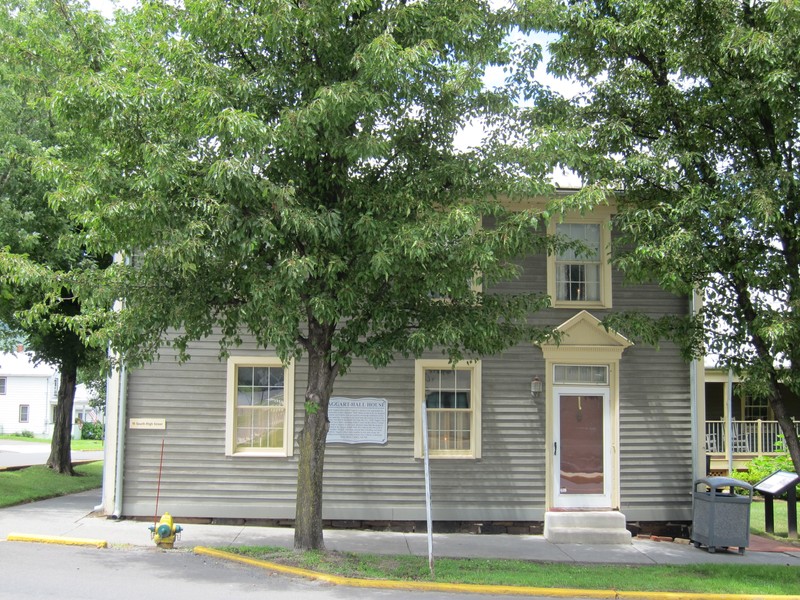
[{"x": 721, "y": 482}]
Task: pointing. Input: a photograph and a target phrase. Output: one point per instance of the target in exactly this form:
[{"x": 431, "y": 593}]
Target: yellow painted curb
[
  {"x": 54, "y": 539},
  {"x": 506, "y": 590}
]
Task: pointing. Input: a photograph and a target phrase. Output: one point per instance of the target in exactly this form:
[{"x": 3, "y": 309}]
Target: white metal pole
[
  {"x": 427, "y": 484},
  {"x": 730, "y": 422}
]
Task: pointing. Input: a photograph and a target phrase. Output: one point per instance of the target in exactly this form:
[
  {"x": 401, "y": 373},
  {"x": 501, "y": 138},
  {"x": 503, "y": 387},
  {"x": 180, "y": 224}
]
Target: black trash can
[{"x": 720, "y": 518}]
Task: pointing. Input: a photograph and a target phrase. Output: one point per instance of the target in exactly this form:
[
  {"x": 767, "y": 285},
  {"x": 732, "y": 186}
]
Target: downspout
[
  {"x": 123, "y": 404},
  {"x": 695, "y": 422},
  {"x": 121, "y": 399}
]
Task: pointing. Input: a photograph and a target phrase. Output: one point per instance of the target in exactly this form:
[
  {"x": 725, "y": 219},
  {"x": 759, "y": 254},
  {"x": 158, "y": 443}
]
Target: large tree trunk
[
  {"x": 60, "y": 459},
  {"x": 321, "y": 375},
  {"x": 786, "y": 425}
]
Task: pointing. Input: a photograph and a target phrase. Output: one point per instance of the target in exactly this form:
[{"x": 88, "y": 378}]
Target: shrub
[
  {"x": 92, "y": 431},
  {"x": 25, "y": 434}
]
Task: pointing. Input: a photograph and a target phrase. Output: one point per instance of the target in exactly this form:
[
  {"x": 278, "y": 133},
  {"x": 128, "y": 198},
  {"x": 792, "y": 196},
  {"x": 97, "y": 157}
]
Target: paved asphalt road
[
  {"x": 47, "y": 572},
  {"x": 22, "y": 454}
]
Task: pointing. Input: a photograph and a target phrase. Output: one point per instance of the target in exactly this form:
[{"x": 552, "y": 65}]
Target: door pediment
[{"x": 585, "y": 333}]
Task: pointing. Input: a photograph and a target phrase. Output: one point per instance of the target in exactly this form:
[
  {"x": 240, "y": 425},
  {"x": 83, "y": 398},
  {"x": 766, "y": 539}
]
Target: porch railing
[{"x": 749, "y": 437}]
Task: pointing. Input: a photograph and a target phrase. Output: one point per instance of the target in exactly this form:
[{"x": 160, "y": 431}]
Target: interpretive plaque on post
[
  {"x": 775, "y": 485},
  {"x": 358, "y": 421}
]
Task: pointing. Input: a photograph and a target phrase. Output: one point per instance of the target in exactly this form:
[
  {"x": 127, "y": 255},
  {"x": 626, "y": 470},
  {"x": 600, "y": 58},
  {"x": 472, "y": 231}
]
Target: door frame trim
[{"x": 584, "y": 341}]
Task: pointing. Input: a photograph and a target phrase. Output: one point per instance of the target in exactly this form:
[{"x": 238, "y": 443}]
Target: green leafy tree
[
  {"x": 287, "y": 169},
  {"x": 692, "y": 110},
  {"x": 41, "y": 254}
]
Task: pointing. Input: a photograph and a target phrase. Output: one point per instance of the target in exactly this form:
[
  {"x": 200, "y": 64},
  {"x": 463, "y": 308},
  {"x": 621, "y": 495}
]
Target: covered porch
[{"x": 735, "y": 443}]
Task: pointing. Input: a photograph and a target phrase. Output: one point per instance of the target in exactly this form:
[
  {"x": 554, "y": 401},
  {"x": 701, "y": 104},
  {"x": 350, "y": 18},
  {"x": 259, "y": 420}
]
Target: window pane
[
  {"x": 581, "y": 374},
  {"x": 447, "y": 379},
  {"x": 245, "y": 375},
  {"x": 261, "y": 376},
  {"x": 244, "y": 396},
  {"x": 581, "y": 435},
  {"x": 463, "y": 377}
]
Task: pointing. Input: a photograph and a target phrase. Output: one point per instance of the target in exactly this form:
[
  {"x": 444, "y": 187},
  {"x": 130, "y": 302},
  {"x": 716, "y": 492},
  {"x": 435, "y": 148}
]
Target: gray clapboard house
[{"x": 596, "y": 431}]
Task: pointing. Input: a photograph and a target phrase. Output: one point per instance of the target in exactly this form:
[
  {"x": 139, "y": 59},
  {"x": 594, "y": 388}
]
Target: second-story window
[
  {"x": 578, "y": 270},
  {"x": 581, "y": 275}
]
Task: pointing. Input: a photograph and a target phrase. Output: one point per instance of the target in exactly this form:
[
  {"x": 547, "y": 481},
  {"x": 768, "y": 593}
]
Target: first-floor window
[
  {"x": 260, "y": 403},
  {"x": 23, "y": 413},
  {"x": 2, "y": 385},
  {"x": 451, "y": 395}
]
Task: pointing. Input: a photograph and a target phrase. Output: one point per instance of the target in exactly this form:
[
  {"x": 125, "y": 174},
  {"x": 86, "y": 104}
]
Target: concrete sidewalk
[
  {"x": 16, "y": 454},
  {"x": 73, "y": 517}
]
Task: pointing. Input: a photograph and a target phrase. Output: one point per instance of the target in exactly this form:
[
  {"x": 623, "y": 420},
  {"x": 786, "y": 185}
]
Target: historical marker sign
[
  {"x": 358, "y": 421},
  {"x": 777, "y": 483}
]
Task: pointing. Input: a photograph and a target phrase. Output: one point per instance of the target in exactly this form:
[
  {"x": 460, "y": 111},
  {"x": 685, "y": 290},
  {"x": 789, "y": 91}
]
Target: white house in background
[{"x": 29, "y": 394}]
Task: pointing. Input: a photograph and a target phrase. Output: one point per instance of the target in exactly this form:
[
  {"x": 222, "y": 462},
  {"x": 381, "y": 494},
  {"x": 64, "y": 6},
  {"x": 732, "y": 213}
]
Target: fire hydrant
[{"x": 166, "y": 532}]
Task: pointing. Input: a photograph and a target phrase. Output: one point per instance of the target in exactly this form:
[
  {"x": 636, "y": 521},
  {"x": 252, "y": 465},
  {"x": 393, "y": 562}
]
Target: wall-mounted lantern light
[{"x": 536, "y": 387}]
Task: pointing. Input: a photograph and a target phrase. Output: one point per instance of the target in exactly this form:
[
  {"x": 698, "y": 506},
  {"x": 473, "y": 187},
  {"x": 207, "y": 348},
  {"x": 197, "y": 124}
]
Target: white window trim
[
  {"x": 27, "y": 408},
  {"x": 230, "y": 413},
  {"x": 604, "y": 220},
  {"x": 419, "y": 400}
]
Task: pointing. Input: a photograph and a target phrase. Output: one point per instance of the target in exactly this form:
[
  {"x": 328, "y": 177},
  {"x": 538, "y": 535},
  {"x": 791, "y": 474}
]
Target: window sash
[
  {"x": 578, "y": 273},
  {"x": 451, "y": 396},
  {"x": 260, "y": 412},
  {"x": 449, "y": 430},
  {"x": 577, "y": 282},
  {"x": 581, "y": 275},
  {"x": 2, "y": 385},
  {"x": 24, "y": 410}
]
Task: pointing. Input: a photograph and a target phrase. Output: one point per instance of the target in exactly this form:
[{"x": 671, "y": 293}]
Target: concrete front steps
[{"x": 586, "y": 527}]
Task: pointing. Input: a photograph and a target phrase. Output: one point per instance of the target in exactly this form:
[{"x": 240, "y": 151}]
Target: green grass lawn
[
  {"x": 709, "y": 578},
  {"x": 39, "y": 482},
  {"x": 781, "y": 520}
]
